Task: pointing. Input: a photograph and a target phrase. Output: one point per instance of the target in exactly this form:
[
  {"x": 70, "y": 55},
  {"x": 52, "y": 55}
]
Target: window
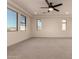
[
  {"x": 22, "y": 23},
  {"x": 63, "y": 25},
  {"x": 39, "y": 24},
  {"x": 11, "y": 20}
]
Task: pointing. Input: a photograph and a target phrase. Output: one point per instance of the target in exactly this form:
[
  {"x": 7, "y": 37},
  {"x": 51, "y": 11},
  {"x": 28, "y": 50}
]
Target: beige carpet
[{"x": 41, "y": 48}]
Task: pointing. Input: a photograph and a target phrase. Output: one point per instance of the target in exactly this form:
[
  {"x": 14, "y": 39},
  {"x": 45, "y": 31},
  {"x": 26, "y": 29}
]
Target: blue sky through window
[{"x": 11, "y": 18}]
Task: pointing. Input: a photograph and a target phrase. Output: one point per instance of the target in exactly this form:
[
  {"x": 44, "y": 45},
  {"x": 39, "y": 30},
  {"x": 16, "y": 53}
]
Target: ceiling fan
[{"x": 51, "y": 7}]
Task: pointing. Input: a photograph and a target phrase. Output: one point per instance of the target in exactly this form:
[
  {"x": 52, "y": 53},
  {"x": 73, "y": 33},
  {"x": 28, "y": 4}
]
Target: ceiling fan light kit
[{"x": 51, "y": 7}]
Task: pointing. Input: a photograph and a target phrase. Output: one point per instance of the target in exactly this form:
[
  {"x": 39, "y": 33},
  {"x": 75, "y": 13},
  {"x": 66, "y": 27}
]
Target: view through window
[
  {"x": 11, "y": 20},
  {"x": 22, "y": 22},
  {"x": 39, "y": 24},
  {"x": 63, "y": 25}
]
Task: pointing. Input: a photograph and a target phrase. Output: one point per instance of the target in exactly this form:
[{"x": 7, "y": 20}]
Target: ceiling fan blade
[
  {"x": 47, "y": 2},
  {"x": 56, "y": 10},
  {"x": 44, "y": 7},
  {"x": 57, "y": 5}
]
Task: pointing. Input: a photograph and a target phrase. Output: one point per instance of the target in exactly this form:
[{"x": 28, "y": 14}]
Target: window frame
[{"x": 16, "y": 20}]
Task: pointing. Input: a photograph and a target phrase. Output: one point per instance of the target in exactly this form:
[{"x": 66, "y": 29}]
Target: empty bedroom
[{"x": 39, "y": 29}]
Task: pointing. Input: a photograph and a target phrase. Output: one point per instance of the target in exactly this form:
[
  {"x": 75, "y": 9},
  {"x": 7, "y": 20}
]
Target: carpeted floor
[{"x": 41, "y": 48}]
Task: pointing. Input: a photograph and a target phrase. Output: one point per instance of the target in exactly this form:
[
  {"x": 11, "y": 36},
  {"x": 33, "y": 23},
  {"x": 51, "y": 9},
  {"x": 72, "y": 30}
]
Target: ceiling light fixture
[{"x": 50, "y": 9}]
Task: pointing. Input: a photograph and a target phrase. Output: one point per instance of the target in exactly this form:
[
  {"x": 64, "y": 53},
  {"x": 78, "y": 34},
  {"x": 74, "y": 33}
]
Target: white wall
[
  {"x": 18, "y": 36},
  {"x": 52, "y": 27}
]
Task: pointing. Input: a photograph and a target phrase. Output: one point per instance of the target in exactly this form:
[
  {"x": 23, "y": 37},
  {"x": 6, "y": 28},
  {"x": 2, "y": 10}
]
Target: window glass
[
  {"x": 22, "y": 22},
  {"x": 39, "y": 24},
  {"x": 63, "y": 25},
  {"x": 11, "y": 20}
]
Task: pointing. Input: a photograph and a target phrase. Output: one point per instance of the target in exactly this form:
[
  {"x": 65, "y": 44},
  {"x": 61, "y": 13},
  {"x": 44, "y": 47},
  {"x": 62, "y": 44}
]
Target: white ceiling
[{"x": 33, "y": 6}]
